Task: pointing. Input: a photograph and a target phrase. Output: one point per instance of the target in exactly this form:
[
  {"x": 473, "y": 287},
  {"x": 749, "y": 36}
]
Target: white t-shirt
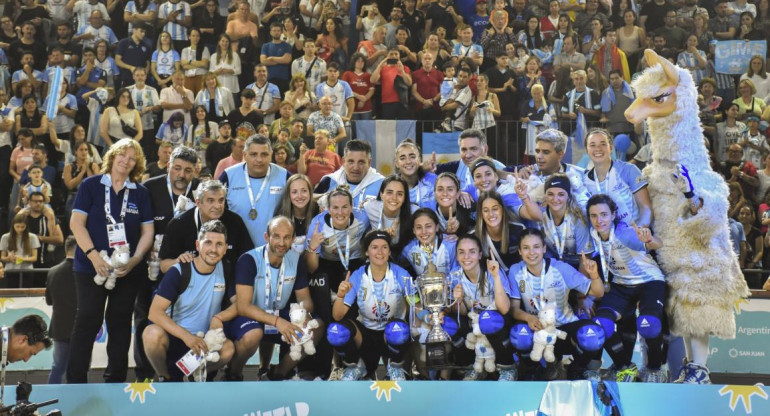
[{"x": 4, "y": 246}]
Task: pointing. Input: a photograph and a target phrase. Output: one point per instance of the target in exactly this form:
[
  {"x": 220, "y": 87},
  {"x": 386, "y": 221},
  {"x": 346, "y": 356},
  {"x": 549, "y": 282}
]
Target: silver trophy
[{"x": 434, "y": 295}]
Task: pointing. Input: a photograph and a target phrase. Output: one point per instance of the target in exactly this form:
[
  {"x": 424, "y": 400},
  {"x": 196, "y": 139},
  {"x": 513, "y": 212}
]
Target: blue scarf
[
  {"x": 205, "y": 97},
  {"x": 608, "y": 96}
]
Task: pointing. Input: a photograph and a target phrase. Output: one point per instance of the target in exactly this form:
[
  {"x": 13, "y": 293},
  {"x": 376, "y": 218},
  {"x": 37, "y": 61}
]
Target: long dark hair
[
  {"x": 130, "y": 100},
  {"x": 535, "y": 40},
  {"x": 462, "y": 214},
  {"x": 424, "y": 212},
  {"x": 337, "y": 28},
  {"x": 404, "y": 214},
  {"x": 481, "y": 227},
  {"x": 599, "y": 199},
  {"x": 199, "y": 48},
  {"x": 205, "y": 119},
  {"x": 482, "y": 285}
]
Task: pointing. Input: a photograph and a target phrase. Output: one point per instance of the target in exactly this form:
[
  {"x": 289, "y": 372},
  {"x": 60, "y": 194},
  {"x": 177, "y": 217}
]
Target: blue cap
[
  {"x": 521, "y": 337},
  {"x": 591, "y": 337},
  {"x": 337, "y": 334},
  {"x": 450, "y": 326},
  {"x": 396, "y": 333},
  {"x": 490, "y": 322}
]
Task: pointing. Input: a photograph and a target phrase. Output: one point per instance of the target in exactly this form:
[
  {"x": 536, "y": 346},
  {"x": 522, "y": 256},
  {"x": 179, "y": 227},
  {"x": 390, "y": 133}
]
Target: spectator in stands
[
  {"x": 124, "y": 163},
  {"x": 583, "y": 18},
  {"x": 485, "y": 109},
  {"x": 284, "y": 121},
  {"x": 558, "y": 89},
  {"x": 236, "y": 153},
  {"x": 394, "y": 78},
  {"x": 609, "y": 56},
  {"x": 615, "y": 100},
  {"x": 217, "y": 100},
  {"x": 309, "y": 66},
  {"x": 245, "y": 118},
  {"x": 569, "y": 56},
  {"x": 747, "y": 101},
  {"x": 327, "y": 120},
  {"x": 226, "y": 64},
  {"x": 710, "y": 112},
  {"x": 459, "y": 102},
  {"x": 61, "y": 295},
  {"x": 133, "y": 52},
  {"x": 754, "y": 143},
  {"x": 762, "y": 196},
  {"x": 343, "y": 100},
  {"x": 736, "y": 199},
  {"x": 173, "y": 130},
  {"x": 725, "y": 25},
  {"x": 115, "y": 119},
  {"x": 532, "y": 75},
  {"x": 632, "y": 39},
  {"x": 701, "y": 30},
  {"x": 221, "y": 147},
  {"x": 550, "y": 22},
  {"x": 685, "y": 15},
  {"x": 494, "y": 39},
  {"x": 30, "y": 117},
  {"x": 267, "y": 95},
  {"x": 95, "y": 31},
  {"x": 7, "y": 33},
  {"x": 160, "y": 166},
  {"x": 728, "y": 132},
  {"x": 755, "y": 241},
  {"x": 369, "y": 18},
  {"x": 174, "y": 17},
  {"x": 28, "y": 72},
  {"x": 653, "y": 14},
  {"x": 426, "y": 88},
  {"x": 75, "y": 172},
  {"x": 762, "y": 20},
  {"x": 202, "y": 133},
  {"x": 592, "y": 40},
  {"x": 374, "y": 49},
  {"x": 18, "y": 248},
  {"x": 42, "y": 223},
  {"x": 106, "y": 62},
  {"x": 210, "y": 23},
  {"x": 302, "y": 100},
  {"x": 479, "y": 20},
  {"x": 740, "y": 171},
  {"x": 441, "y": 14},
  {"x": 67, "y": 109},
  {"x": 466, "y": 47},
  {"x": 27, "y": 43},
  {"x": 564, "y": 28},
  {"x": 725, "y": 82},
  {"x": 747, "y": 30},
  {"x": 331, "y": 42},
  {"x": 693, "y": 59},
  {"x": 88, "y": 78},
  {"x": 71, "y": 49},
  {"x": 195, "y": 61},
  {"x": 675, "y": 36},
  {"x": 361, "y": 86},
  {"x": 177, "y": 98},
  {"x": 756, "y": 73},
  {"x": 276, "y": 56},
  {"x": 581, "y": 99},
  {"x": 147, "y": 103},
  {"x": 139, "y": 12}
]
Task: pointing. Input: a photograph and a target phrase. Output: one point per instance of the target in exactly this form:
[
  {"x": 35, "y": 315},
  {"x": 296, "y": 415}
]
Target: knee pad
[
  {"x": 396, "y": 332},
  {"x": 648, "y": 326},
  {"x": 338, "y": 334},
  {"x": 450, "y": 326},
  {"x": 521, "y": 337},
  {"x": 607, "y": 324},
  {"x": 590, "y": 337},
  {"x": 491, "y": 322}
]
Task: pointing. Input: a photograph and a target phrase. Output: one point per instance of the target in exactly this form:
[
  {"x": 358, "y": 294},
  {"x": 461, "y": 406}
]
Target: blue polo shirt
[
  {"x": 95, "y": 75},
  {"x": 280, "y": 71},
  {"x": 90, "y": 202},
  {"x": 135, "y": 54}
]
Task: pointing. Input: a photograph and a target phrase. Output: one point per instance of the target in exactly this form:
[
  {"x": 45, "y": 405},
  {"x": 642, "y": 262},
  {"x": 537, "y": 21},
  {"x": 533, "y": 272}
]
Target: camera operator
[{"x": 27, "y": 337}]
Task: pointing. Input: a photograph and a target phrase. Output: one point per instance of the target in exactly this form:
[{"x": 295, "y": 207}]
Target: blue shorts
[
  {"x": 649, "y": 296},
  {"x": 238, "y": 327}
]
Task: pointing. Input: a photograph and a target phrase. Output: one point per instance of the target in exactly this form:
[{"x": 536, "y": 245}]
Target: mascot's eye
[{"x": 660, "y": 99}]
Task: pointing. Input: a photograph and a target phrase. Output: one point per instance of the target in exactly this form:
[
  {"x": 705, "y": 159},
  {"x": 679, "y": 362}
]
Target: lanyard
[
  {"x": 4, "y": 362},
  {"x": 345, "y": 260},
  {"x": 108, "y": 209},
  {"x": 253, "y": 201},
  {"x": 380, "y": 304},
  {"x": 197, "y": 219},
  {"x": 541, "y": 290},
  {"x": 606, "y": 178},
  {"x": 268, "y": 282},
  {"x": 171, "y": 193},
  {"x": 494, "y": 253},
  {"x": 605, "y": 259},
  {"x": 559, "y": 240},
  {"x": 475, "y": 298}
]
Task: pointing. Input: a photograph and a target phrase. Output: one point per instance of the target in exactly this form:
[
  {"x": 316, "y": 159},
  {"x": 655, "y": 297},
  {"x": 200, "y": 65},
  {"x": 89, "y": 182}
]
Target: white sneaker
[
  {"x": 336, "y": 374},
  {"x": 696, "y": 374}
]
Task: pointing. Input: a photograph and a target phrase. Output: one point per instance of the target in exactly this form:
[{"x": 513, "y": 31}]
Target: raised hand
[
  {"x": 452, "y": 224},
  {"x": 520, "y": 186},
  {"x": 644, "y": 233},
  {"x": 317, "y": 239},
  {"x": 493, "y": 267},
  {"x": 684, "y": 181},
  {"x": 589, "y": 266},
  {"x": 344, "y": 287}
]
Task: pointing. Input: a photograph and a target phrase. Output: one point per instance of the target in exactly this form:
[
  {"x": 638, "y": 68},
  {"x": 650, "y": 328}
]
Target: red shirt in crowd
[
  {"x": 319, "y": 165},
  {"x": 388, "y": 75},
  {"x": 360, "y": 84},
  {"x": 428, "y": 84}
]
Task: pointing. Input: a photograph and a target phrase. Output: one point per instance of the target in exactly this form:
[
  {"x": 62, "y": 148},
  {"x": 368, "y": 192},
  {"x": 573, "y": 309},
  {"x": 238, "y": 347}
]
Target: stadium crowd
[{"x": 217, "y": 141}]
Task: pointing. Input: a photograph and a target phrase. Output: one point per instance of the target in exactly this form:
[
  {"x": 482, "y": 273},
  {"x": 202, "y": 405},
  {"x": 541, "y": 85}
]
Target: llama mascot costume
[{"x": 689, "y": 203}]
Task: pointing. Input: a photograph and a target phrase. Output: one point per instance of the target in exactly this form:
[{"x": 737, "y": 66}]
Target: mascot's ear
[{"x": 668, "y": 68}]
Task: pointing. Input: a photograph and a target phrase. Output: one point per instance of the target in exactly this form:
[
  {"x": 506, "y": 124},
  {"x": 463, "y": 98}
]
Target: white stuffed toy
[
  {"x": 120, "y": 258},
  {"x": 544, "y": 339},
  {"x": 153, "y": 264},
  {"x": 475, "y": 340},
  {"x": 297, "y": 315},
  {"x": 215, "y": 340}
]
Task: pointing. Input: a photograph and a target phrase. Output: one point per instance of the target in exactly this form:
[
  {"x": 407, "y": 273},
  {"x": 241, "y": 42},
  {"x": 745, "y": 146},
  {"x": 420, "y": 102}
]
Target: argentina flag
[
  {"x": 384, "y": 136},
  {"x": 52, "y": 101},
  {"x": 444, "y": 144}
]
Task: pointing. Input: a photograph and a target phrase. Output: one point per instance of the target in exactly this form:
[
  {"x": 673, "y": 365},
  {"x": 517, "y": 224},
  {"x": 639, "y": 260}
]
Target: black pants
[
  {"x": 569, "y": 346},
  {"x": 373, "y": 346},
  {"x": 143, "y": 368},
  {"x": 325, "y": 280},
  {"x": 393, "y": 111},
  {"x": 88, "y": 320}
]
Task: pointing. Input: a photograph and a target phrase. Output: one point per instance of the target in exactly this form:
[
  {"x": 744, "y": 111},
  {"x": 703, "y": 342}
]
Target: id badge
[
  {"x": 116, "y": 234},
  {"x": 270, "y": 329},
  {"x": 189, "y": 363}
]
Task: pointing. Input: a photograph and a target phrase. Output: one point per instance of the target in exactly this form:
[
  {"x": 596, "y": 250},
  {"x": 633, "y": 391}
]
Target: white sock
[
  {"x": 687, "y": 349},
  {"x": 700, "y": 350}
]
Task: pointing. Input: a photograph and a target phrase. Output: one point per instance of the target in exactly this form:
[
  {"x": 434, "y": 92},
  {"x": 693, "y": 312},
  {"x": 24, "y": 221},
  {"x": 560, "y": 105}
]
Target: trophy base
[{"x": 439, "y": 354}]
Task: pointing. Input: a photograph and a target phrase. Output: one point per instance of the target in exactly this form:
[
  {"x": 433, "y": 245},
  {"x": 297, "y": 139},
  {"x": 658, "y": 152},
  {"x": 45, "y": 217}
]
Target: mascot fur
[{"x": 702, "y": 271}]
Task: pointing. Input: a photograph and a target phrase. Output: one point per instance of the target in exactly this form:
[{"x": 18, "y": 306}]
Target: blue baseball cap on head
[
  {"x": 521, "y": 337},
  {"x": 337, "y": 334},
  {"x": 396, "y": 333},
  {"x": 450, "y": 326},
  {"x": 490, "y": 322}
]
